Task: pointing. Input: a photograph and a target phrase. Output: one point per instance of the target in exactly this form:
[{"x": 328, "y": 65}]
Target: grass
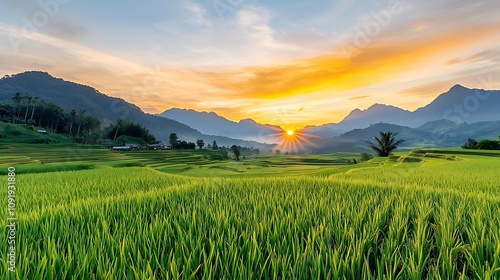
[
  {"x": 195, "y": 163},
  {"x": 410, "y": 216},
  {"x": 490, "y": 153},
  {"x": 15, "y": 133},
  {"x": 124, "y": 139},
  {"x": 50, "y": 167}
]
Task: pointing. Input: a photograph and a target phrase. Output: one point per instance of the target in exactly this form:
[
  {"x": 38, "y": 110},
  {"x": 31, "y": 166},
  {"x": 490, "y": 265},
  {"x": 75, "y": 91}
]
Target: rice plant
[{"x": 432, "y": 220}]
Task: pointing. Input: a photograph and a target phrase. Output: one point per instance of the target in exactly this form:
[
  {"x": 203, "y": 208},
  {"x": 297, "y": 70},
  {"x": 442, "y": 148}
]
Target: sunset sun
[{"x": 289, "y": 140}]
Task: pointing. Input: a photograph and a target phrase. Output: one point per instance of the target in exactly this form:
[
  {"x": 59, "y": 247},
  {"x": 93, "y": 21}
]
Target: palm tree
[
  {"x": 81, "y": 112},
  {"x": 73, "y": 114},
  {"x": 54, "y": 114},
  {"x": 27, "y": 97},
  {"x": 35, "y": 100},
  {"x": 385, "y": 144},
  {"x": 41, "y": 111},
  {"x": 17, "y": 100},
  {"x": 119, "y": 124}
]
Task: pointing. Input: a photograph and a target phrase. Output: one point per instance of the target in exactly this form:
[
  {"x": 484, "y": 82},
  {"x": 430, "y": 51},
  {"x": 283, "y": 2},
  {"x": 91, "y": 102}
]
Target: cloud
[
  {"x": 199, "y": 14},
  {"x": 23, "y": 8},
  {"x": 359, "y": 97},
  {"x": 31, "y": 39},
  {"x": 257, "y": 63},
  {"x": 46, "y": 17},
  {"x": 64, "y": 29},
  {"x": 377, "y": 64},
  {"x": 254, "y": 22},
  {"x": 492, "y": 55},
  {"x": 245, "y": 37},
  {"x": 488, "y": 78},
  {"x": 419, "y": 26},
  {"x": 428, "y": 90}
]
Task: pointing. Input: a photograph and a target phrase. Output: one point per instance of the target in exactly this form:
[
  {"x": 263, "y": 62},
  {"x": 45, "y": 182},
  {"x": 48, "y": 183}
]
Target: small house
[
  {"x": 159, "y": 146},
  {"x": 121, "y": 148},
  {"x": 133, "y": 146}
]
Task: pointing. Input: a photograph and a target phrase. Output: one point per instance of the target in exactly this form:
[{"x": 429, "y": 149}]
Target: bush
[
  {"x": 41, "y": 140},
  {"x": 129, "y": 164},
  {"x": 488, "y": 145},
  {"x": 216, "y": 157},
  {"x": 366, "y": 156},
  {"x": 471, "y": 144},
  {"x": 15, "y": 131},
  {"x": 122, "y": 140}
]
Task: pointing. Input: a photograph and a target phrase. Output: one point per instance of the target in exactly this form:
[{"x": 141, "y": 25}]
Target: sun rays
[{"x": 291, "y": 141}]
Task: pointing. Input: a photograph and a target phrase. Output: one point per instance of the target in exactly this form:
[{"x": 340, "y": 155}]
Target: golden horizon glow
[
  {"x": 298, "y": 91},
  {"x": 281, "y": 74},
  {"x": 290, "y": 141}
]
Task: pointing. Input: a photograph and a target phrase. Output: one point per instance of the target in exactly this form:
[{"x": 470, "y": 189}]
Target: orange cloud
[
  {"x": 358, "y": 97},
  {"x": 261, "y": 92},
  {"x": 428, "y": 90},
  {"x": 381, "y": 62},
  {"x": 420, "y": 26},
  {"x": 489, "y": 54}
]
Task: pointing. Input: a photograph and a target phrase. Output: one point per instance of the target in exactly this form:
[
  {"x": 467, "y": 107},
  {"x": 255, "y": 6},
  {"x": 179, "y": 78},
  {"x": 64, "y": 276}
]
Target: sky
[{"x": 289, "y": 63}]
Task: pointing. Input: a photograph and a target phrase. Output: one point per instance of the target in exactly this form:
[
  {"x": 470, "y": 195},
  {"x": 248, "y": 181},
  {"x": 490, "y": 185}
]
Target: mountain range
[
  {"x": 459, "y": 104},
  {"x": 71, "y": 95},
  {"x": 213, "y": 124},
  {"x": 448, "y": 120}
]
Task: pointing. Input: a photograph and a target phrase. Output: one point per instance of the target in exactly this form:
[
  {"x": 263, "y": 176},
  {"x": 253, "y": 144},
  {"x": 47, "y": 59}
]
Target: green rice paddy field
[{"x": 88, "y": 213}]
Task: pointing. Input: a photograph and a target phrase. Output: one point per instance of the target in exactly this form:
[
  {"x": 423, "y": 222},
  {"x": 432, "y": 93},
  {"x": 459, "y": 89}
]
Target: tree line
[
  {"x": 33, "y": 111},
  {"x": 76, "y": 124},
  {"x": 237, "y": 151},
  {"x": 128, "y": 128},
  {"x": 484, "y": 144}
]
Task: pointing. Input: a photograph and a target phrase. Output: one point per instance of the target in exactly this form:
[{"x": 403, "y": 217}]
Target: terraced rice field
[{"x": 425, "y": 218}]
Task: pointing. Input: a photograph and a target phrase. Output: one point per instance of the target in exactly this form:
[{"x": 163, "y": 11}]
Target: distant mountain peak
[
  {"x": 180, "y": 109},
  {"x": 247, "y": 121},
  {"x": 39, "y": 74},
  {"x": 377, "y": 107},
  {"x": 458, "y": 86},
  {"x": 213, "y": 124},
  {"x": 187, "y": 110},
  {"x": 380, "y": 105}
]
